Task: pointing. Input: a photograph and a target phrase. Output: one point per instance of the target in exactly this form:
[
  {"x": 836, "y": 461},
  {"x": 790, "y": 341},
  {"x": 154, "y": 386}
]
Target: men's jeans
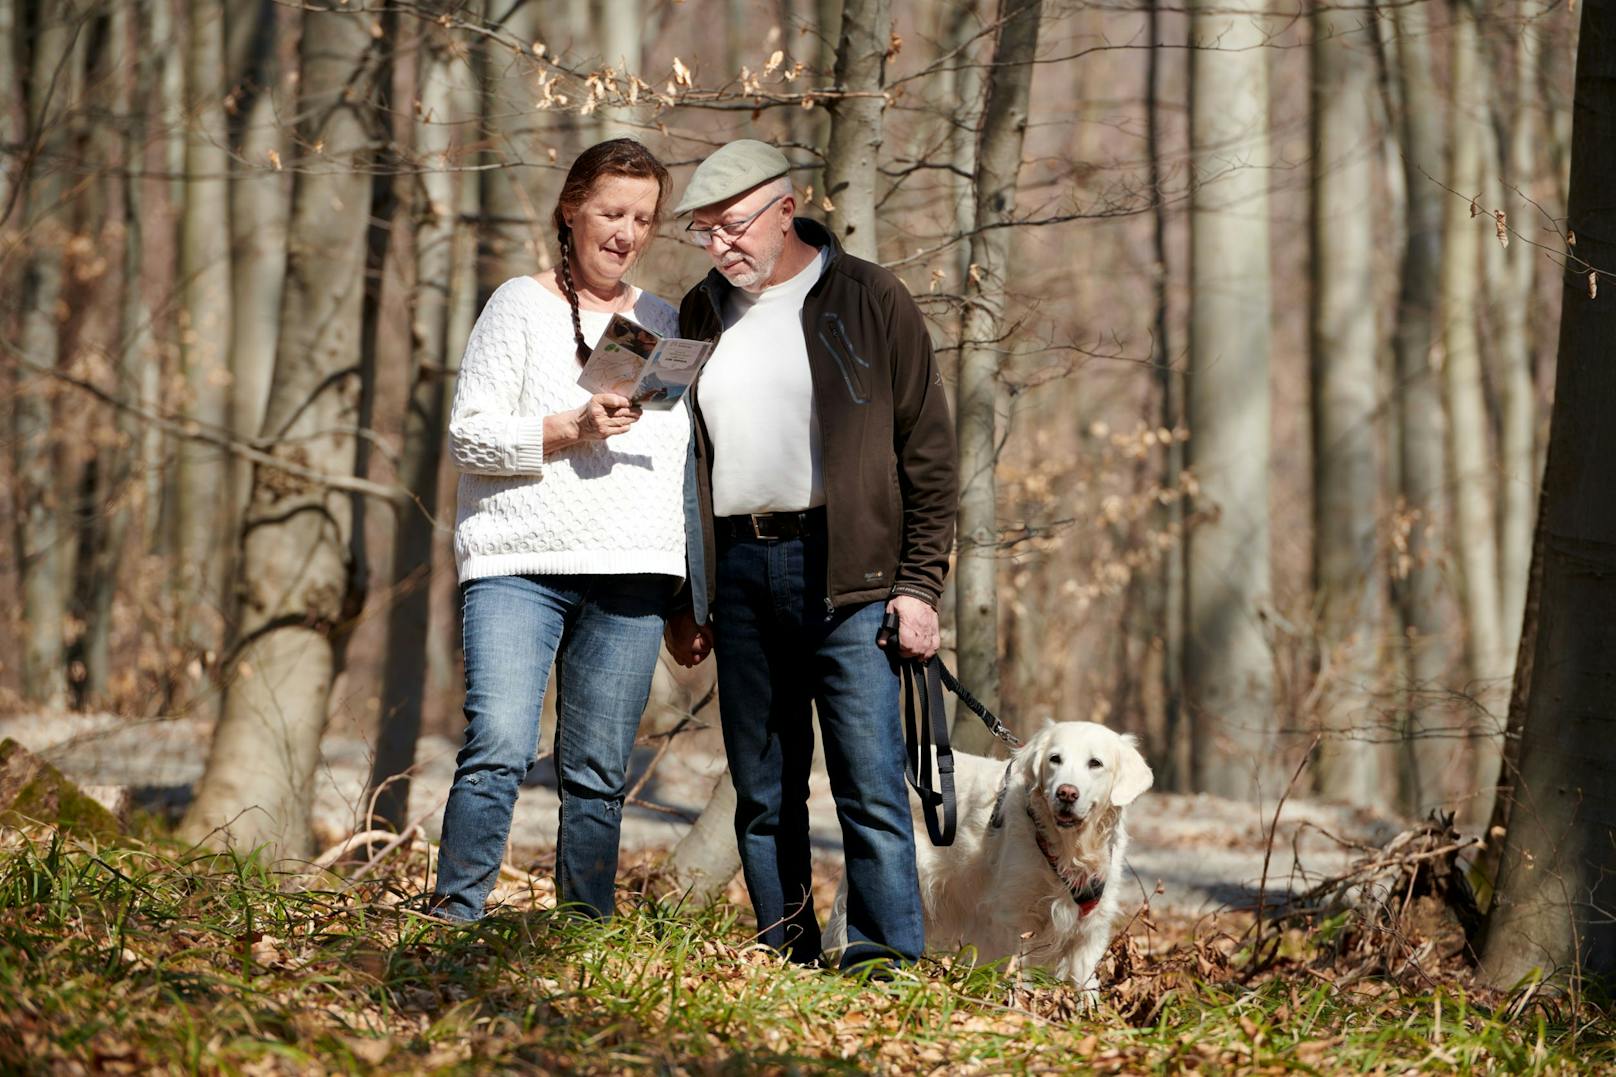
[
  {"x": 603, "y": 633},
  {"x": 778, "y": 650}
]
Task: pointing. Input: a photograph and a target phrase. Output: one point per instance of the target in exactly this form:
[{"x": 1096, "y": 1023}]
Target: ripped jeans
[{"x": 603, "y": 634}]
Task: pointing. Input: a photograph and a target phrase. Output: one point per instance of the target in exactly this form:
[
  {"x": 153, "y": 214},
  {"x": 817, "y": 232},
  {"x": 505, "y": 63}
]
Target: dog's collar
[{"x": 1086, "y": 890}]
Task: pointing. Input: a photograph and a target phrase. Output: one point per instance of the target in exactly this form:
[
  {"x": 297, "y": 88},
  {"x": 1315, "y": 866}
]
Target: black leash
[{"x": 925, "y": 733}]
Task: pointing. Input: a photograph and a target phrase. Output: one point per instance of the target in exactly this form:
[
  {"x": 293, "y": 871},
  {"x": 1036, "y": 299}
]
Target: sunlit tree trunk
[
  {"x": 1228, "y": 666},
  {"x": 201, "y": 484},
  {"x": 1004, "y": 127},
  {"x": 855, "y": 128},
  {"x": 1424, "y": 606},
  {"x": 707, "y": 858},
  {"x": 1355, "y": 761},
  {"x": 621, "y": 28},
  {"x": 516, "y": 238},
  {"x": 300, "y": 592},
  {"x": 44, "y": 489},
  {"x": 1558, "y": 880},
  {"x": 446, "y": 278},
  {"x": 960, "y": 97},
  {"x": 1469, "y": 457},
  {"x": 1517, "y": 410},
  {"x": 260, "y": 199}
]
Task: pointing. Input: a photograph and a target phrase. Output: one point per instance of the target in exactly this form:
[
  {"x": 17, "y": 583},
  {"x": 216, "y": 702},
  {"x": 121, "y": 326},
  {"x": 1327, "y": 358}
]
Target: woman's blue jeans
[
  {"x": 603, "y": 634},
  {"x": 779, "y": 653}
]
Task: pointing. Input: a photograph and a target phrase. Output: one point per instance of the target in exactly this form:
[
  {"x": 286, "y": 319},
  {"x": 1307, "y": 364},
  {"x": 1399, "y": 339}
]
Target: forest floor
[
  {"x": 133, "y": 956},
  {"x": 1189, "y": 855}
]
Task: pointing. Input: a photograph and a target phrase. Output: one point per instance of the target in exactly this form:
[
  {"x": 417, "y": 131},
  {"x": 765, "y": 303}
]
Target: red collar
[{"x": 1086, "y": 890}]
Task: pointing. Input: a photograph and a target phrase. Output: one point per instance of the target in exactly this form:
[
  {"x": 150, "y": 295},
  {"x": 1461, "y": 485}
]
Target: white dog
[{"x": 1034, "y": 871}]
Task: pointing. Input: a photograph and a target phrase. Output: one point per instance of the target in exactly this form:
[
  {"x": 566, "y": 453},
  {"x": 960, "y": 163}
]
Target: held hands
[
  {"x": 688, "y": 642},
  {"x": 606, "y": 414},
  {"x": 918, "y": 636}
]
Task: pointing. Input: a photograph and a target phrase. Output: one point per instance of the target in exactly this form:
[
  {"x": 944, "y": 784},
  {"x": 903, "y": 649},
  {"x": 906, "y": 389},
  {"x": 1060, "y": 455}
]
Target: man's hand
[
  {"x": 918, "y": 636},
  {"x": 688, "y": 642},
  {"x": 606, "y": 415}
]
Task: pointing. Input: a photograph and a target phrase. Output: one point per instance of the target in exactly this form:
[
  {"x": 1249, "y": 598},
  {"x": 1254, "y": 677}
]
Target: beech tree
[
  {"x": 1557, "y": 881},
  {"x": 299, "y": 590},
  {"x": 1228, "y": 664}
]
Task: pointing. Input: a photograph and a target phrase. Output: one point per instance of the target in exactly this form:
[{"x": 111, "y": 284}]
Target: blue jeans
[
  {"x": 603, "y": 633},
  {"x": 779, "y": 650}
]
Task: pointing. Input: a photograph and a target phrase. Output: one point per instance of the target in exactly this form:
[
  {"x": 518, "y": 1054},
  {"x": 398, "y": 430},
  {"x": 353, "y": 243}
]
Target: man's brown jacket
[{"x": 890, "y": 471}]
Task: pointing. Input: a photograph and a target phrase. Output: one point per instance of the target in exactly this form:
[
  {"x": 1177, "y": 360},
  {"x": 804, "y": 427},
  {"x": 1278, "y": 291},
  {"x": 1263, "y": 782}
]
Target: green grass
[{"x": 133, "y": 960}]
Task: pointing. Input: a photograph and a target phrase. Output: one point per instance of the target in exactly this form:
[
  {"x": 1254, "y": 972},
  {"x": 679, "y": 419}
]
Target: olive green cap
[{"x": 732, "y": 169}]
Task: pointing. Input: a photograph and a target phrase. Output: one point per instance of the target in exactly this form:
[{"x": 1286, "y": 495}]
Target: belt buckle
[{"x": 760, "y": 530}]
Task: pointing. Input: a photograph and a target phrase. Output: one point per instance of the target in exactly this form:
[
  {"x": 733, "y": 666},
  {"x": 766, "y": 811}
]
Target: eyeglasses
[{"x": 731, "y": 230}]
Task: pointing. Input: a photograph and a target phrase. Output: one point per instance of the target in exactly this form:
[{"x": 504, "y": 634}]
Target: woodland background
[{"x": 1248, "y": 316}]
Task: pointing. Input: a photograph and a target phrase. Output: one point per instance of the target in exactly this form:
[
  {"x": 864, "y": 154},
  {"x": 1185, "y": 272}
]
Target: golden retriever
[{"x": 1034, "y": 873}]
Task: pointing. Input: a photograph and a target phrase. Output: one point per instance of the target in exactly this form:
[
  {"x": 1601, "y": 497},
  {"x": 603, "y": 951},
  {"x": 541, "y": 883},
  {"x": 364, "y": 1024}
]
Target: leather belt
[{"x": 770, "y": 526}]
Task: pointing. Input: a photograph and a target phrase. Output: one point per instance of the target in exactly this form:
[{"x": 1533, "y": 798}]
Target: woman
[{"x": 569, "y": 539}]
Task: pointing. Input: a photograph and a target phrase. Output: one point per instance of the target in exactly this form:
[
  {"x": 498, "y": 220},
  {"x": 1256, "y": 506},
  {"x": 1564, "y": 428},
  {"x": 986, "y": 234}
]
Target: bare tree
[
  {"x": 300, "y": 592},
  {"x": 1558, "y": 878},
  {"x": 1512, "y": 376},
  {"x": 982, "y": 347},
  {"x": 260, "y": 198},
  {"x": 446, "y": 286},
  {"x": 44, "y": 488},
  {"x": 1469, "y": 457},
  {"x": 516, "y": 215},
  {"x": 855, "y": 129},
  {"x": 202, "y": 519},
  {"x": 1355, "y": 763},
  {"x": 1228, "y": 666},
  {"x": 1423, "y": 606}
]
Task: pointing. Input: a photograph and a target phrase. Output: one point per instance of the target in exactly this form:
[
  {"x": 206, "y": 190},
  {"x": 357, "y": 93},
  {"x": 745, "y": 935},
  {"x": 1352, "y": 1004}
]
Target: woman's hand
[{"x": 605, "y": 415}]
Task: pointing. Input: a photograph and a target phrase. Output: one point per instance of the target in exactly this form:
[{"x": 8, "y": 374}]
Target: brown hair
[{"x": 614, "y": 157}]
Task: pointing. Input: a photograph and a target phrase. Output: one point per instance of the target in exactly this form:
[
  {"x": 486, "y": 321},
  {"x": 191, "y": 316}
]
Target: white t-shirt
[
  {"x": 612, "y": 506},
  {"x": 757, "y": 399}
]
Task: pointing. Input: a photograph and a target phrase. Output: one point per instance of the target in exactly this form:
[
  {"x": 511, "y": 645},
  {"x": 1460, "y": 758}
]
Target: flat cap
[{"x": 729, "y": 170}]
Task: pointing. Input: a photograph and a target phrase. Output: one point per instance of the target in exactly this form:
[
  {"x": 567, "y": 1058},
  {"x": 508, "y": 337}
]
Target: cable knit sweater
[{"x": 612, "y": 506}]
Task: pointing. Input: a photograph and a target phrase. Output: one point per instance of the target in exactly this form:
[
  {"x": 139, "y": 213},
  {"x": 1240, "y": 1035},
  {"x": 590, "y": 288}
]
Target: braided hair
[{"x": 614, "y": 157}]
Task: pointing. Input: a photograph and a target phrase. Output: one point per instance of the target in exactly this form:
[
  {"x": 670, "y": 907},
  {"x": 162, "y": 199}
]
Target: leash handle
[{"x": 888, "y": 632}]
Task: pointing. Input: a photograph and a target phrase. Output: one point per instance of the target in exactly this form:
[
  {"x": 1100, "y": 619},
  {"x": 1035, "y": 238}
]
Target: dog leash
[{"x": 925, "y": 733}]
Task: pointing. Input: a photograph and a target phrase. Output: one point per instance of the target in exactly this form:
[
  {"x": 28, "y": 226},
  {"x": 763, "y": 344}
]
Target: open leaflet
[{"x": 652, "y": 371}]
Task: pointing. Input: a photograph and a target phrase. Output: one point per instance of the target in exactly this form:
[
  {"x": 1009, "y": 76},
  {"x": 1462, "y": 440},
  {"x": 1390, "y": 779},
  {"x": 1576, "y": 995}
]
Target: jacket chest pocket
[{"x": 851, "y": 365}]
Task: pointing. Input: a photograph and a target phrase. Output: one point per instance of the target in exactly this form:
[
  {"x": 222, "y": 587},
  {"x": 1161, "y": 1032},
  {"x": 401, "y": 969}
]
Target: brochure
[{"x": 652, "y": 371}]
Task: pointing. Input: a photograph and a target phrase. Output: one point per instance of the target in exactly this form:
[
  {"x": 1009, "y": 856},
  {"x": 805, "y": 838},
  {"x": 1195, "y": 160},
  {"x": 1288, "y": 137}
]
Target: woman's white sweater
[{"x": 612, "y": 506}]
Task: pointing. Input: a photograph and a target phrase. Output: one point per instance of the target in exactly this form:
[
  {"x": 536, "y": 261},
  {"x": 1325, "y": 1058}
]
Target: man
[{"x": 827, "y": 481}]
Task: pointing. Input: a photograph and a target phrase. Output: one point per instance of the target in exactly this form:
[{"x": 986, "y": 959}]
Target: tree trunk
[
  {"x": 1228, "y": 664},
  {"x": 13, "y": 121},
  {"x": 963, "y": 107},
  {"x": 855, "y": 127},
  {"x": 202, "y": 479},
  {"x": 1517, "y": 404},
  {"x": 1004, "y": 127},
  {"x": 106, "y": 515},
  {"x": 1422, "y": 603},
  {"x": 445, "y": 271},
  {"x": 706, "y": 858},
  {"x": 516, "y": 239},
  {"x": 1469, "y": 458},
  {"x": 1355, "y": 762},
  {"x": 260, "y": 198},
  {"x": 1558, "y": 879},
  {"x": 300, "y": 592},
  {"x": 622, "y": 24},
  {"x": 1165, "y": 587},
  {"x": 44, "y": 490}
]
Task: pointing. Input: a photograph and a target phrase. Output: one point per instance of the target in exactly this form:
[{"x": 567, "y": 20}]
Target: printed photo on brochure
[{"x": 632, "y": 361}]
